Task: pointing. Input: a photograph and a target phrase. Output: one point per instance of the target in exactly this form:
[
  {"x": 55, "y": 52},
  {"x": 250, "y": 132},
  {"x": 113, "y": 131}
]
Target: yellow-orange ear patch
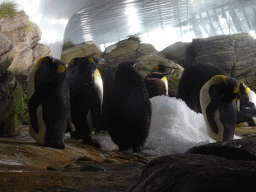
[
  {"x": 235, "y": 89},
  {"x": 90, "y": 59},
  {"x": 156, "y": 67},
  {"x": 40, "y": 61},
  {"x": 72, "y": 62},
  {"x": 61, "y": 68}
]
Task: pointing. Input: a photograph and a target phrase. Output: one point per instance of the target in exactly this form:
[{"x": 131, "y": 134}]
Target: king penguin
[
  {"x": 217, "y": 98},
  {"x": 245, "y": 106},
  {"x": 156, "y": 82},
  {"x": 192, "y": 80},
  {"x": 49, "y": 102},
  {"x": 130, "y": 109},
  {"x": 86, "y": 96}
]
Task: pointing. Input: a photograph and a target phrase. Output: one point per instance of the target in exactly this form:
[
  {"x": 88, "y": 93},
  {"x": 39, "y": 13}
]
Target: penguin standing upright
[
  {"x": 246, "y": 108},
  {"x": 156, "y": 82},
  {"x": 192, "y": 80},
  {"x": 49, "y": 102},
  {"x": 130, "y": 110},
  {"x": 217, "y": 98},
  {"x": 86, "y": 96}
]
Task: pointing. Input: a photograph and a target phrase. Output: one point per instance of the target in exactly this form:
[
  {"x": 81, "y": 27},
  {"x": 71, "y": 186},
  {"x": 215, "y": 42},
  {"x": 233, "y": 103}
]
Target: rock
[
  {"x": 22, "y": 62},
  {"x": 39, "y": 51},
  {"x": 148, "y": 62},
  {"x": 5, "y": 44},
  {"x": 7, "y": 53},
  {"x": 34, "y": 34},
  {"x": 13, "y": 24},
  {"x": 196, "y": 174},
  {"x": 22, "y": 46},
  {"x": 93, "y": 168},
  {"x": 176, "y": 52},
  {"x": 81, "y": 50},
  {"x": 123, "y": 51},
  {"x": 11, "y": 111},
  {"x": 145, "y": 49},
  {"x": 233, "y": 53},
  {"x": 240, "y": 149}
]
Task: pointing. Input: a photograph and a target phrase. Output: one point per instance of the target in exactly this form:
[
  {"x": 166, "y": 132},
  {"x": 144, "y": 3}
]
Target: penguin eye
[
  {"x": 61, "y": 68},
  {"x": 90, "y": 59}
]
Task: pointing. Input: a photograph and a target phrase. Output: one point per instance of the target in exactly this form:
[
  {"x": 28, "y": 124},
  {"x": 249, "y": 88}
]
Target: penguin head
[
  {"x": 126, "y": 65},
  {"x": 50, "y": 69},
  {"x": 162, "y": 68},
  {"x": 223, "y": 88},
  {"x": 83, "y": 68}
]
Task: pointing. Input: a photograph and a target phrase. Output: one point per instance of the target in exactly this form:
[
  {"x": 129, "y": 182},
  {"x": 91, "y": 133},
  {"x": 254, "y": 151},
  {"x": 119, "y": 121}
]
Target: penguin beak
[
  {"x": 170, "y": 68},
  {"x": 135, "y": 63}
]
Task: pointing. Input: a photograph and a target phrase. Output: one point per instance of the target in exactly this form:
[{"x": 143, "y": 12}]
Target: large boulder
[
  {"x": 196, "y": 173},
  {"x": 227, "y": 165},
  {"x": 124, "y": 50},
  {"x": 39, "y": 51},
  {"x": 15, "y": 27},
  {"x": 235, "y": 54},
  {"x": 175, "y": 52},
  {"x": 34, "y": 33},
  {"x": 81, "y": 50}
]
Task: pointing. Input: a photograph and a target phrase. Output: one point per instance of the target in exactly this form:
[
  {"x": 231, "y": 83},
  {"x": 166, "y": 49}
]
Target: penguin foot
[
  {"x": 91, "y": 142},
  {"x": 75, "y": 135},
  {"x": 58, "y": 145}
]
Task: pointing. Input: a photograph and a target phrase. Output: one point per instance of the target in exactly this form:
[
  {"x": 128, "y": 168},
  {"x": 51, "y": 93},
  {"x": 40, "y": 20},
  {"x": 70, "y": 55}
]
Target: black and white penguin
[
  {"x": 49, "y": 102},
  {"x": 130, "y": 109},
  {"x": 86, "y": 96},
  {"x": 156, "y": 82},
  {"x": 218, "y": 102},
  {"x": 246, "y": 108},
  {"x": 192, "y": 80}
]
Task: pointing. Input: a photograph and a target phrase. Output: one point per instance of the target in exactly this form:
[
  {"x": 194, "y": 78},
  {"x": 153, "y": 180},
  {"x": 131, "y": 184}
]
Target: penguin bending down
[
  {"x": 86, "y": 96},
  {"x": 130, "y": 110},
  {"x": 217, "y": 98},
  {"x": 192, "y": 80},
  {"x": 49, "y": 102},
  {"x": 156, "y": 82},
  {"x": 246, "y": 108}
]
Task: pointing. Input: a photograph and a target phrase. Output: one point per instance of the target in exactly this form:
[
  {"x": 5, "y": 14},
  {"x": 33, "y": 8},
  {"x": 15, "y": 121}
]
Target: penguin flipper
[
  {"x": 95, "y": 107},
  {"x": 248, "y": 112},
  {"x": 35, "y": 100},
  {"x": 210, "y": 109}
]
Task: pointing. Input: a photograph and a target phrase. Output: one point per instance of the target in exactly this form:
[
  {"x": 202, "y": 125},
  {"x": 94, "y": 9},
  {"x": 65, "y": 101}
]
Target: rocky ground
[{"x": 26, "y": 166}]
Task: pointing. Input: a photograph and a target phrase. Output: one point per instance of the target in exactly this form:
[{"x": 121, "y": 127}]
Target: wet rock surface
[{"x": 27, "y": 166}]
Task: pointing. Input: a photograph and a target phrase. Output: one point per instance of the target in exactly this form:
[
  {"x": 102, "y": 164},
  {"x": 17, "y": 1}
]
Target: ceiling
[{"x": 159, "y": 22}]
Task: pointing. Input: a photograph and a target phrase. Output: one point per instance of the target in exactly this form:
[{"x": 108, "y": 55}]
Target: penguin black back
[
  {"x": 86, "y": 96},
  {"x": 192, "y": 80},
  {"x": 49, "y": 102},
  {"x": 129, "y": 109}
]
